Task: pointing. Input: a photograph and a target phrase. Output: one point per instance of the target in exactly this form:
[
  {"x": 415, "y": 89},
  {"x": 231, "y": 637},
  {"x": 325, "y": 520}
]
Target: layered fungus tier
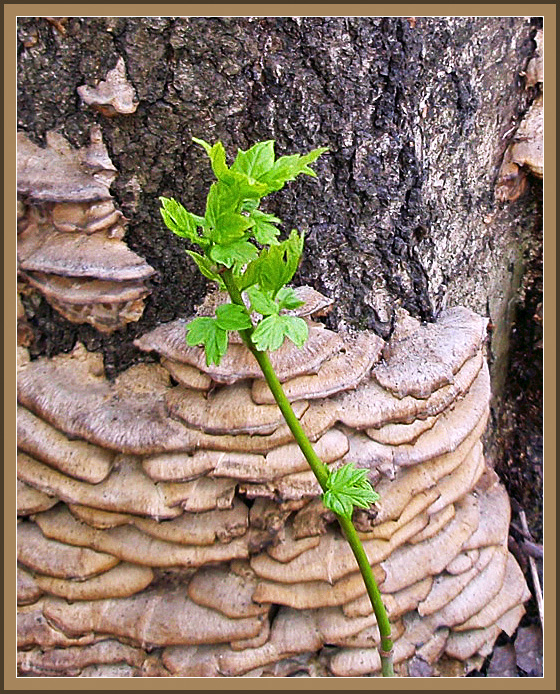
[
  {"x": 70, "y": 246},
  {"x": 170, "y": 526}
]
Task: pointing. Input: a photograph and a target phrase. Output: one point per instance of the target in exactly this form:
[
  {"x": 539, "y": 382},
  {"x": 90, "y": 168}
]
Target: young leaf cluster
[
  {"x": 348, "y": 487},
  {"x": 237, "y": 238}
]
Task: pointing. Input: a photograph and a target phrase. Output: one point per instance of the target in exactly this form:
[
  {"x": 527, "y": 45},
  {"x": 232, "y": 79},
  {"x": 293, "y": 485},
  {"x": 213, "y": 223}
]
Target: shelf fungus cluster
[
  {"x": 169, "y": 526},
  {"x": 70, "y": 233},
  {"x": 525, "y": 154}
]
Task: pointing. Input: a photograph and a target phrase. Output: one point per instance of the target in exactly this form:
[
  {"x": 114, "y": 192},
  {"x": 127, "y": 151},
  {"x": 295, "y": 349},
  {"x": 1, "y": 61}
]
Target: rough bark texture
[{"x": 417, "y": 114}]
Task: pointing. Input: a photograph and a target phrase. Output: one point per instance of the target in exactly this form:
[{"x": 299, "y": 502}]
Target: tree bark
[{"x": 417, "y": 114}]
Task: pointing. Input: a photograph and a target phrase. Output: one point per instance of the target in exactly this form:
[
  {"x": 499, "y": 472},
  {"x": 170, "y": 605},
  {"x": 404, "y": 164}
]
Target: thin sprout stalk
[
  {"x": 263, "y": 269},
  {"x": 321, "y": 472}
]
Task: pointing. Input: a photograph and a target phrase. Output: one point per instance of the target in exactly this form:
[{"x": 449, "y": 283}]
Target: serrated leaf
[
  {"x": 249, "y": 205},
  {"x": 206, "y": 267},
  {"x": 269, "y": 268},
  {"x": 233, "y": 317},
  {"x": 259, "y": 165},
  {"x": 275, "y": 265},
  {"x": 180, "y": 221},
  {"x": 269, "y": 334},
  {"x": 296, "y": 329},
  {"x": 348, "y": 487},
  {"x": 224, "y": 223},
  {"x": 217, "y": 155},
  {"x": 206, "y": 331},
  {"x": 261, "y": 271},
  {"x": 234, "y": 255},
  {"x": 289, "y": 167},
  {"x": 288, "y": 299},
  {"x": 261, "y": 302},
  {"x": 340, "y": 505},
  {"x": 344, "y": 476},
  {"x": 243, "y": 185},
  {"x": 293, "y": 251},
  {"x": 348, "y": 476},
  {"x": 263, "y": 229},
  {"x": 256, "y": 161}
]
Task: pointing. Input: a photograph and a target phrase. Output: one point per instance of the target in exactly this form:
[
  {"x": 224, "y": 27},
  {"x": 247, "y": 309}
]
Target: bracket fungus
[
  {"x": 170, "y": 513},
  {"x": 70, "y": 234},
  {"x": 60, "y": 173},
  {"x": 525, "y": 153},
  {"x": 114, "y": 95},
  {"x": 238, "y": 363}
]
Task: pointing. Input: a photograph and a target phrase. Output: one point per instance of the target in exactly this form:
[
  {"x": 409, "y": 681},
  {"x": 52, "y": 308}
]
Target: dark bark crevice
[{"x": 414, "y": 114}]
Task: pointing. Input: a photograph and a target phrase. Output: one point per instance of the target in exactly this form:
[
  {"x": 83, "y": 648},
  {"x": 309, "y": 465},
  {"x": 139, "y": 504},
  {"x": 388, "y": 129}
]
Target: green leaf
[
  {"x": 181, "y": 222},
  {"x": 271, "y": 331},
  {"x": 261, "y": 302},
  {"x": 289, "y": 167},
  {"x": 225, "y": 224},
  {"x": 293, "y": 249},
  {"x": 258, "y": 164},
  {"x": 217, "y": 155},
  {"x": 244, "y": 186},
  {"x": 341, "y": 505},
  {"x": 256, "y": 161},
  {"x": 207, "y": 268},
  {"x": 207, "y": 146},
  {"x": 275, "y": 265},
  {"x": 263, "y": 229},
  {"x": 269, "y": 334},
  {"x": 235, "y": 255},
  {"x": 249, "y": 205},
  {"x": 265, "y": 271},
  {"x": 348, "y": 487},
  {"x": 233, "y": 317},
  {"x": 206, "y": 331},
  {"x": 296, "y": 329},
  {"x": 288, "y": 299}
]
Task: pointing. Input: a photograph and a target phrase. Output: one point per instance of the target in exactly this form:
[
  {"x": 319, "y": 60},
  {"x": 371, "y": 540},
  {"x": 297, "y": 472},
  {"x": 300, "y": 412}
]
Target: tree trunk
[{"x": 417, "y": 114}]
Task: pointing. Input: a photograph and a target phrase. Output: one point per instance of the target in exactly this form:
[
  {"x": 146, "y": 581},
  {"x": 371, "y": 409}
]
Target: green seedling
[{"x": 240, "y": 248}]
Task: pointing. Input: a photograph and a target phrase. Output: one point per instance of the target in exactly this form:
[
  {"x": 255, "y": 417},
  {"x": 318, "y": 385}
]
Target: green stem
[
  {"x": 386, "y": 647},
  {"x": 321, "y": 472}
]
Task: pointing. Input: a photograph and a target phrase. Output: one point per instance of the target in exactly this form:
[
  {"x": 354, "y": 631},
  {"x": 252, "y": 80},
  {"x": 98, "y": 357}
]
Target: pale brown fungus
[
  {"x": 121, "y": 581},
  {"x": 225, "y": 591},
  {"x": 371, "y": 405},
  {"x": 70, "y": 661},
  {"x": 28, "y": 591},
  {"x": 86, "y": 256},
  {"x": 238, "y": 363},
  {"x": 428, "y": 358},
  {"x": 30, "y": 500},
  {"x": 153, "y": 617},
  {"x": 72, "y": 457},
  {"x": 114, "y": 95},
  {"x": 132, "y": 545},
  {"x": 341, "y": 372},
  {"x": 127, "y": 489},
  {"x": 227, "y": 410},
  {"x": 60, "y": 173},
  {"x": 58, "y": 559}
]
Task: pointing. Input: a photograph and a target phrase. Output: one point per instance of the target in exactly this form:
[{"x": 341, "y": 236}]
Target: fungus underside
[{"x": 241, "y": 251}]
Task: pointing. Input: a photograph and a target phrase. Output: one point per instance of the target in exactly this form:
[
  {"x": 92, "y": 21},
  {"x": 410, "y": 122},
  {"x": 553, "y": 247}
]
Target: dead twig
[
  {"x": 532, "y": 549},
  {"x": 533, "y": 565}
]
